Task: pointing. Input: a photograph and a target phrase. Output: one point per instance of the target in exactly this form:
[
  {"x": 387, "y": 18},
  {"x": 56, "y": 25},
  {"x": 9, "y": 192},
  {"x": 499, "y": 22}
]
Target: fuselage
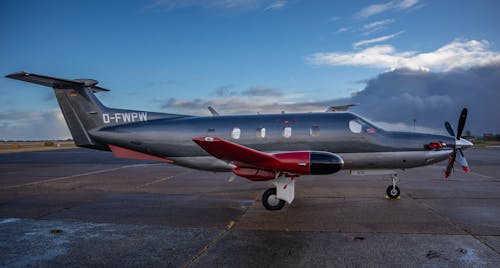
[{"x": 360, "y": 144}]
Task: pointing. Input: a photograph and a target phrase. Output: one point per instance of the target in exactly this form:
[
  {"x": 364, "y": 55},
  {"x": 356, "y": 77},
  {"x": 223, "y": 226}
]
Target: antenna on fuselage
[
  {"x": 340, "y": 108},
  {"x": 213, "y": 111}
]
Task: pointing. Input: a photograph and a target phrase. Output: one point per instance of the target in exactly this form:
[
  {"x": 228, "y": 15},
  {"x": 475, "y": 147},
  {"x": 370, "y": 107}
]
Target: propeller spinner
[{"x": 457, "y": 154}]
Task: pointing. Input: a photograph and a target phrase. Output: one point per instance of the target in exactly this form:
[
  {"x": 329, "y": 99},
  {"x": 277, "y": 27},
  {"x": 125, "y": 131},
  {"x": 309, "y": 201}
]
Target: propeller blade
[
  {"x": 461, "y": 123},
  {"x": 449, "y": 166},
  {"x": 449, "y": 128},
  {"x": 462, "y": 161}
]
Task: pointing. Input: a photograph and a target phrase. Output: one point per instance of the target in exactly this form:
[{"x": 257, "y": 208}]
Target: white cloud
[
  {"x": 343, "y": 30},
  {"x": 33, "y": 125},
  {"x": 457, "y": 54},
  {"x": 380, "y": 8},
  {"x": 378, "y": 23},
  {"x": 376, "y": 40},
  {"x": 276, "y": 5},
  {"x": 168, "y": 5}
]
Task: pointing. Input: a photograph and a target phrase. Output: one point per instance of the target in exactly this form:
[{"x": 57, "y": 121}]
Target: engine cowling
[{"x": 294, "y": 163}]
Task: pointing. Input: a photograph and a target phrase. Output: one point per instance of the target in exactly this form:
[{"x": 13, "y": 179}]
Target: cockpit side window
[
  {"x": 360, "y": 126},
  {"x": 355, "y": 126}
]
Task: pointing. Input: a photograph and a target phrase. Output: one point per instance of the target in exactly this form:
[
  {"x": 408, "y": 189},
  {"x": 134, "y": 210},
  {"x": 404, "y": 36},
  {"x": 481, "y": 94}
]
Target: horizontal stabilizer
[{"x": 58, "y": 83}]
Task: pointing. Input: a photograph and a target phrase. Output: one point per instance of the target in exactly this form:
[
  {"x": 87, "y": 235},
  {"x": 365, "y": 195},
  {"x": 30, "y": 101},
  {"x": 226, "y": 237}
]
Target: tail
[{"x": 82, "y": 110}]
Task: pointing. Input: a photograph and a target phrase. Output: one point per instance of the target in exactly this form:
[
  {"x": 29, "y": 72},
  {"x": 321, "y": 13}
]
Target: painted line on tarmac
[{"x": 76, "y": 175}]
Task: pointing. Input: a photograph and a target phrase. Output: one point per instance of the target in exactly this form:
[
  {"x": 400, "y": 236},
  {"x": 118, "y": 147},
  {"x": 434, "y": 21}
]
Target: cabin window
[
  {"x": 211, "y": 130},
  {"x": 314, "y": 131},
  {"x": 236, "y": 133},
  {"x": 261, "y": 132},
  {"x": 355, "y": 126},
  {"x": 287, "y": 132}
]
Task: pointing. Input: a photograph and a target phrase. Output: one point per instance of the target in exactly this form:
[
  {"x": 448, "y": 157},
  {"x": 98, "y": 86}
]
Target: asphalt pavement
[{"x": 86, "y": 208}]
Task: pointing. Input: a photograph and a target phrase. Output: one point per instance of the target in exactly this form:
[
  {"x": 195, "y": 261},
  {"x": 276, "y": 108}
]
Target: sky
[{"x": 402, "y": 61}]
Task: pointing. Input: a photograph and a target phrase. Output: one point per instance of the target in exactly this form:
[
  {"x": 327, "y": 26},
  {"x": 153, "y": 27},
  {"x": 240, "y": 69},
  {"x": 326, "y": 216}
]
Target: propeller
[{"x": 457, "y": 154}]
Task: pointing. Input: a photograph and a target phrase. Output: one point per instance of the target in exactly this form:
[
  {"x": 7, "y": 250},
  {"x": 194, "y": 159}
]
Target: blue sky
[{"x": 167, "y": 55}]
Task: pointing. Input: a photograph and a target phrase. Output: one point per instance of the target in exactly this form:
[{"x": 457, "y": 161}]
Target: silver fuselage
[{"x": 360, "y": 144}]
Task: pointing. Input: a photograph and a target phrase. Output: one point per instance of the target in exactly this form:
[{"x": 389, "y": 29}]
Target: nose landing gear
[{"x": 393, "y": 191}]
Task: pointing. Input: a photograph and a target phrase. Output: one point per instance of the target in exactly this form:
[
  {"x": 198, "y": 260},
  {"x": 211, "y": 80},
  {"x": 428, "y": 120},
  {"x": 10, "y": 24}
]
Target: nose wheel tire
[
  {"x": 270, "y": 200},
  {"x": 393, "y": 192}
]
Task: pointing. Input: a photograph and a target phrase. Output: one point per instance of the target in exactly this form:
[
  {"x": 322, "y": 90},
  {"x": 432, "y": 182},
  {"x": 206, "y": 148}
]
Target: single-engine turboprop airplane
[{"x": 275, "y": 147}]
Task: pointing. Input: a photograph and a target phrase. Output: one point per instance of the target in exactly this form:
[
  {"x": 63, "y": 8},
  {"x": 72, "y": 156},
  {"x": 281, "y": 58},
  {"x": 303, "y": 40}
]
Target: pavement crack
[
  {"x": 161, "y": 180},
  {"x": 216, "y": 240}
]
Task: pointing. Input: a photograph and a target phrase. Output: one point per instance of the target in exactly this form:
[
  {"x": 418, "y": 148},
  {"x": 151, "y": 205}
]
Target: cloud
[
  {"x": 387, "y": 6},
  {"x": 342, "y": 30},
  {"x": 244, "y": 105},
  {"x": 33, "y": 125},
  {"x": 392, "y": 100},
  {"x": 376, "y": 40},
  {"x": 259, "y": 91},
  {"x": 375, "y": 26},
  {"x": 399, "y": 96},
  {"x": 169, "y": 5},
  {"x": 457, "y": 54},
  {"x": 378, "y": 23},
  {"x": 276, "y": 5},
  {"x": 224, "y": 90}
]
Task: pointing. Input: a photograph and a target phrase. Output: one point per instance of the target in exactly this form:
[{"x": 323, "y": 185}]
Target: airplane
[{"x": 265, "y": 147}]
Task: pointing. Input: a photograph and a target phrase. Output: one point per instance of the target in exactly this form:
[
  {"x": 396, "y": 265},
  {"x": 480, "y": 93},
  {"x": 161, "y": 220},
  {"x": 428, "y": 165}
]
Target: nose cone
[{"x": 463, "y": 143}]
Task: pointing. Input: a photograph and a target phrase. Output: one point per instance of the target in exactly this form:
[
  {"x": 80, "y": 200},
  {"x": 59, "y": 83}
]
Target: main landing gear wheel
[
  {"x": 270, "y": 200},
  {"x": 393, "y": 192}
]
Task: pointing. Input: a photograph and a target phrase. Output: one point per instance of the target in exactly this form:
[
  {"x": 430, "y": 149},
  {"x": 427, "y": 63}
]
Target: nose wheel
[
  {"x": 270, "y": 200},
  {"x": 393, "y": 191}
]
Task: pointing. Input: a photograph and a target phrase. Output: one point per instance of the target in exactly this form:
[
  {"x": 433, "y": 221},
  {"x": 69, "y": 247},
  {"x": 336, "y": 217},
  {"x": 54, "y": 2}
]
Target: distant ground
[{"x": 33, "y": 146}]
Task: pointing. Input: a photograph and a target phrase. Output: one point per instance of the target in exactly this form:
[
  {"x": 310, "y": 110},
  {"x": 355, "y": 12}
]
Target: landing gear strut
[
  {"x": 270, "y": 200},
  {"x": 393, "y": 191}
]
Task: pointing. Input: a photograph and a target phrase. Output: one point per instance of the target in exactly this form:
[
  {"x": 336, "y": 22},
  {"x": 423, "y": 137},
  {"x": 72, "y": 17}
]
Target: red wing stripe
[
  {"x": 120, "y": 152},
  {"x": 230, "y": 151}
]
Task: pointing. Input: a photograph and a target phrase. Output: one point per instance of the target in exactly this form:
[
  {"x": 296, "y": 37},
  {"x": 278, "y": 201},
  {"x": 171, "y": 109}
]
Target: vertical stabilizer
[{"x": 82, "y": 110}]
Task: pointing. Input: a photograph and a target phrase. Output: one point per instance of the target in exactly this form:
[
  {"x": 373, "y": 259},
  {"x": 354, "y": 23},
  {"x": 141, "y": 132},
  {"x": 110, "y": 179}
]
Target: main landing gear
[
  {"x": 270, "y": 200},
  {"x": 393, "y": 191},
  {"x": 275, "y": 198}
]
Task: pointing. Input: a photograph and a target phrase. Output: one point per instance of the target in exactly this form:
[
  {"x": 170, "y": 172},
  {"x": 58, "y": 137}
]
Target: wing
[
  {"x": 238, "y": 154},
  {"x": 247, "y": 158}
]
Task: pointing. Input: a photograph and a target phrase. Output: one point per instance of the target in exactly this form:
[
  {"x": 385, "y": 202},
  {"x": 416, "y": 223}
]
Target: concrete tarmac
[{"x": 86, "y": 208}]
